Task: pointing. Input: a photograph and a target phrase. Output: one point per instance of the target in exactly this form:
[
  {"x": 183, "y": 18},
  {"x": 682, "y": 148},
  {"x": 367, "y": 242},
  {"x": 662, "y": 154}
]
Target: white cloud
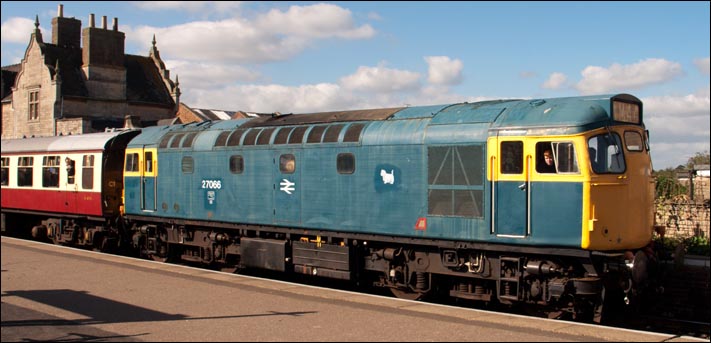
[
  {"x": 272, "y": 98},
  {"x": 274, "y": 36},
  {"x": 18, "y": 30},
  {"x": 555, "y": 81},
  {"x": 703, "y": 65},
  {"x": 624, "y": 77},
  {"x": 380, "y": 79},
  {"x": 679, "y": 127},
  {"x": 209, "y": 75},
  {"x": 318, "y": 21},
  {"x": 204, "y": 8},
  {"x": 444, "y": 71}
]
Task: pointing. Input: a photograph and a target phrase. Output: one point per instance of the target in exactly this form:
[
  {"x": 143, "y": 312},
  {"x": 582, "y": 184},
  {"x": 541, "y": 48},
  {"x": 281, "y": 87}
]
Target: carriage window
[
  {"x": 345, "y": 163},
  {"x": 236, "y": 164},
  {"x": 50, "y": 171},
  {"x": 70, "y": 164},
  {"x": 131, "y": 162},
  {"x": 24, "y": 171},
  {"x": 511, "y": 157},
  {"x": 633, "y": 141},
  {"x": 87, "y": 171},
  {"x": 5, "y": 171},
  {"x": 606, "y": 154},
  {"x": 287, "y": 163}
]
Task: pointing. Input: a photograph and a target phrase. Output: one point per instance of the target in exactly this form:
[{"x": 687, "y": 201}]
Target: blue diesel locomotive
[
  {"x": 455, "y": 200},
  {"x": 420, "y": 200}
]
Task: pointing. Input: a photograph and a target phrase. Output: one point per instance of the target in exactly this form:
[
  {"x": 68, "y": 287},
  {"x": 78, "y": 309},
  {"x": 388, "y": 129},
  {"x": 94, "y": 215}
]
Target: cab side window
[{"x": 512, "y": 157}]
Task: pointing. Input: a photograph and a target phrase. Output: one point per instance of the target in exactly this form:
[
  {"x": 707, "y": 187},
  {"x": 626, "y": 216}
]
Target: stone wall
[{"x": 685, "y": 217}]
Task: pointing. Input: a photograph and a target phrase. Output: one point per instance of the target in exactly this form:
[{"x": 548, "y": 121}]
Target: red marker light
[{"x": 421, "y": 224}]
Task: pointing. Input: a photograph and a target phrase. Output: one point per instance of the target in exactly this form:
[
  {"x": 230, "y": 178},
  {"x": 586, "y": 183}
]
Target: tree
[{"x": 699, "y": 158}]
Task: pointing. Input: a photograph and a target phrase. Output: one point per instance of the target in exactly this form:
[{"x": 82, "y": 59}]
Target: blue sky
[{"x": 321, "y": 56}]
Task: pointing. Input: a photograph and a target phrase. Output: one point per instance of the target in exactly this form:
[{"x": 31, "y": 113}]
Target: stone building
[{"x": 83, "y": 82}]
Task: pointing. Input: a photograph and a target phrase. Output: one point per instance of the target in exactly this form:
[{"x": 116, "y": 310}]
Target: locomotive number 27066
[{"x": 211, "y": 184}]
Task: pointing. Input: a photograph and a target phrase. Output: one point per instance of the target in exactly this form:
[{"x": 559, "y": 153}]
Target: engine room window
[
  {"x": 345, "y": 163},
  {"x": 24, "y": 171},
  {"x": 87, "y": 171},
  {"x": 287, "y": 163},
  {"x": 456, "y": 181},
  {"x": 5, "y": 171},
  {"x": 236, "y": 164},
  {"x": 50, "y": 171},
  {"x": 187, "y": 165}
]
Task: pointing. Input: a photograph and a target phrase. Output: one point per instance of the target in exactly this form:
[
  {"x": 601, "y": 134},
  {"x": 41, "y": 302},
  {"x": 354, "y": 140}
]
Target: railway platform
[{"x": 55, "y": 293}]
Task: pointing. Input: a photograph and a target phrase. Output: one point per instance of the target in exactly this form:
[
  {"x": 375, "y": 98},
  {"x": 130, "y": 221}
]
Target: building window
[{"x": 33, "y": 105}]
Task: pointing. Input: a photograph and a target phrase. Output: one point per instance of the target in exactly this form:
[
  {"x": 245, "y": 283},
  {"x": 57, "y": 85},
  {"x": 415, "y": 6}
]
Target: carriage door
[
  {"x": 148, "y": 179},
  {"x": 511, "y": 188},
  {"x": 287, "y": 187}
]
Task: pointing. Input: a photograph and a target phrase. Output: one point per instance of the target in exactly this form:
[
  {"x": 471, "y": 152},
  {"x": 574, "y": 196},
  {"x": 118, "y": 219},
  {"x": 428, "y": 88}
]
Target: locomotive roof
[
  {"x": 482, "y": 119},
  {"x": 85, "y": 142}
]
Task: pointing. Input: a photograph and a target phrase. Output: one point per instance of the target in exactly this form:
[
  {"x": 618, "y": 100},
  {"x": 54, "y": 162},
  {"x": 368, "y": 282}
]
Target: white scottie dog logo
[{"x": 387, "y": 178}]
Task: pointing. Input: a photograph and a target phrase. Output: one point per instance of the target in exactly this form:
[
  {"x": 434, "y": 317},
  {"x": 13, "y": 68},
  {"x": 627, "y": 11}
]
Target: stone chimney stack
[
  {"x": 103, "y": 60},
  {"x": 103, "y": 47},
  {"x": 66, "y": 32}
]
